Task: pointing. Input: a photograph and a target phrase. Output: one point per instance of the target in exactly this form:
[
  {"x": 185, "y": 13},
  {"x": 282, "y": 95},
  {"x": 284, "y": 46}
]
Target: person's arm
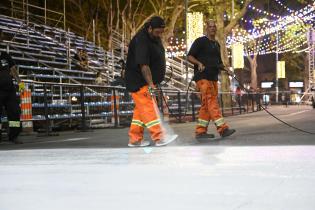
[
  {"x": 193, "y": 60},
  {"x": 15, "y": 74},
  {"x": 146, "y": 73},
  {"x": 194, "y": 50},
  {"x": 13, "y": 70}
]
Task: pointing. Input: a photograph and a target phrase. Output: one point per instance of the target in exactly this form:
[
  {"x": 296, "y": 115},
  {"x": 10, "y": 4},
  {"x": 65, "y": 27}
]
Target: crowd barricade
[{"x": 59, "y": 106}]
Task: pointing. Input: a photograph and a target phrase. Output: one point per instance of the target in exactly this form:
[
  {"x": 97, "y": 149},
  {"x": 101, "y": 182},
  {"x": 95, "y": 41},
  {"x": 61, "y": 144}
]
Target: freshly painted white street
[{"x": 265, "y": 165}]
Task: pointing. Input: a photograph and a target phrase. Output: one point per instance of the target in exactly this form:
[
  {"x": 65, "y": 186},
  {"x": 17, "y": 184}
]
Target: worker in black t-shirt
[
  {"x": 8, "y": 97},
  {"x": 145, "y": 68},
  {"x": 206, "y": 56}
]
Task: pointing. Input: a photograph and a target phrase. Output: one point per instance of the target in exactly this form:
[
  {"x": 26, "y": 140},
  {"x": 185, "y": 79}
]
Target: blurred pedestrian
[
  {"x": 238, "y": 93},
  {"x": 81, "y": 58},
  {"x": 99, "y": 80}
]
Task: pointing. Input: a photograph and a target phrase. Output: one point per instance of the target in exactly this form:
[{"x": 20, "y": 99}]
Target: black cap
[{"x": 157, "y": 22}]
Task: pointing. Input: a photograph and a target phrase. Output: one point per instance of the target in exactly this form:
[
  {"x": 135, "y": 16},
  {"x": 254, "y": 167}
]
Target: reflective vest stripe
[
  {"x": 203, "y": 123},
  {"x": 138, "y": 123},
  {"x": 219, "y": 122},
  {"x": 152, "y": 123},
  {"x": 14, "y": 124}
]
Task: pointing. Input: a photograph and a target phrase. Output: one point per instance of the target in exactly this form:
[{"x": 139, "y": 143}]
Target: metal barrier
[
  {"x": 60, "y": 106},
  {"x": 185, "y": 106},
  {"x": 73, "y": 105}
]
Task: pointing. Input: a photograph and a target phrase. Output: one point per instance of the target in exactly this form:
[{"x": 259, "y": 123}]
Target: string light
[
  {"x": 176, "y": 47},
  {"x": 263, "y": 12},
  {"x": 305, "y": 15},
  {"x": 261, "y": 39},
  {"x": 287, "y": 8},
  {"x": 264, "y": 32}
]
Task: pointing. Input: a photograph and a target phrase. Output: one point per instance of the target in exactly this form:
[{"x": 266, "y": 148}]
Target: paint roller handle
[{"x": 228, "y": 70}]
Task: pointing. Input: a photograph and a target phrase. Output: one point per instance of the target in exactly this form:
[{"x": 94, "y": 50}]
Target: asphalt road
[{"x": 254, "y": 129}]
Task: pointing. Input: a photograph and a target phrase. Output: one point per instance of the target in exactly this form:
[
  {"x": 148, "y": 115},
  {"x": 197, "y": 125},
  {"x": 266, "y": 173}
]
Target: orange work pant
[
  {"x": 209, "y": 109},
  {"x": 145, "y": 114}
]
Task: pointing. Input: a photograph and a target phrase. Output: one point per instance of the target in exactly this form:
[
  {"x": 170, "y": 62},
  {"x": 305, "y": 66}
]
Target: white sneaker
[
  {"x": 139, "y": 144},
  {"x": 167, "y": 140}
]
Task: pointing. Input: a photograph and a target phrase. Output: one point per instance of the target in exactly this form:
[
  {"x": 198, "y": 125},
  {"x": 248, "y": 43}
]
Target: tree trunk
[
  {"x": 253, "y": 70},
  {"x": 221, "y": 37},
  {"x": 171, "y": 24},
  {"x": 222, "y": 31}
]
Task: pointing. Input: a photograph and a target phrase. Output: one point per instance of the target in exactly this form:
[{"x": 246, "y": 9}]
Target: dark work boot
[
  {"x": 204, "y": 136},
  {"x": 16, "y": 140},
  {"x": 227, "y": 132},
  {"x": 14, "y": 134}
]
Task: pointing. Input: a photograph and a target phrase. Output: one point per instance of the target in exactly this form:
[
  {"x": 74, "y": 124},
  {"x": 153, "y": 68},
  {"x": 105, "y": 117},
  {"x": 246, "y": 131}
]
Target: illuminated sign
[
  {"x": 266, "y": 84},
  {"x": 296, "y": 84},
  {"x": 194, "y": 27},
  {"x": 281, "y": 69},
  {"x": 238, "y": 55}
]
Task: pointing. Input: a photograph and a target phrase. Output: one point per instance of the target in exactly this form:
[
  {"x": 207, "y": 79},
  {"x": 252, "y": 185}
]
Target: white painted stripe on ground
[
  {"x": 296, "y": 113},
  {"x": 63, "y": 140}
]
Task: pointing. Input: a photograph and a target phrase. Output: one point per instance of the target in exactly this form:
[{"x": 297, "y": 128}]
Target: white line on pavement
[
  {"x": 63, "y": 140},
  {"x": 300, "y": 112}
]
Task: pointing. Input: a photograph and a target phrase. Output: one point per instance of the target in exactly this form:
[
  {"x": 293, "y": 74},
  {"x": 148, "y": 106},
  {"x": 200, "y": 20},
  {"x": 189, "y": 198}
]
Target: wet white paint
[{"x": 208, "y": 177}]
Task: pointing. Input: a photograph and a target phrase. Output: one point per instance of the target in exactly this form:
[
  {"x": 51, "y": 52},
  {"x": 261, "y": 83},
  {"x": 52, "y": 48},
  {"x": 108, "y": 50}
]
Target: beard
[{"x": 155, "y": 38}]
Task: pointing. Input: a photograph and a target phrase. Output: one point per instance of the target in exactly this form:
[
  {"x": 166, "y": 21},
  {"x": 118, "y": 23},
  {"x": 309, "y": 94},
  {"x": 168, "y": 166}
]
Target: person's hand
[
  {"x": 201, "y": 67},
  {"x": 153, "y": 91},
  {"x": 229, "y": 71},
  {"x": 21, "y": 87}
]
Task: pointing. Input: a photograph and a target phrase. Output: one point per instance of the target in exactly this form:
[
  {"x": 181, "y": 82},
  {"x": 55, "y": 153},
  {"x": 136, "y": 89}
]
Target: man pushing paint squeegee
[{"x": 145, "y": 69}]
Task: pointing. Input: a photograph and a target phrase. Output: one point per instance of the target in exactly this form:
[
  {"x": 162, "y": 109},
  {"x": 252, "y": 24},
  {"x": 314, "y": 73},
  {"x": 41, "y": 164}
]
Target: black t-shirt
[
  {"x": 6, "y": 62},
  {"x": 118, "y": 82},
  {"x": 208, "y": 53},
  {"x": 144, "y": 50}
]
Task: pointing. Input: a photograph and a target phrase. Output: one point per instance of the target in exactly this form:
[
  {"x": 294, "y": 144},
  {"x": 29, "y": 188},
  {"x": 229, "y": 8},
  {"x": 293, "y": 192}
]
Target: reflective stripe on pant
[
  {"x": 10, "y": 101},
  {"x": 145, "y": 114},
  {"x": 209, "y": 109}
]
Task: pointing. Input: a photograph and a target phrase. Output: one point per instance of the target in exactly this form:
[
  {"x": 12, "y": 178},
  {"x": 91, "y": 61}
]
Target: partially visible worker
[{"x": 8, "y": 97}]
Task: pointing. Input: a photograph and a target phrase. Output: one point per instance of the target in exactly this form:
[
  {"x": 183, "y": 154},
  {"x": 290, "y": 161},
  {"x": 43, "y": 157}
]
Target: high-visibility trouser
[
  {"x": 10, "y": 101},
  {"x": 209, "y": 109},
  {"x": 145, "y": 114}
]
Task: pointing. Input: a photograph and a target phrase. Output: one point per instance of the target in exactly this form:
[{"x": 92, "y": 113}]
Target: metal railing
[
  {"x": 25, "y": 10},
  {"x": 113, "y": 106}
]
